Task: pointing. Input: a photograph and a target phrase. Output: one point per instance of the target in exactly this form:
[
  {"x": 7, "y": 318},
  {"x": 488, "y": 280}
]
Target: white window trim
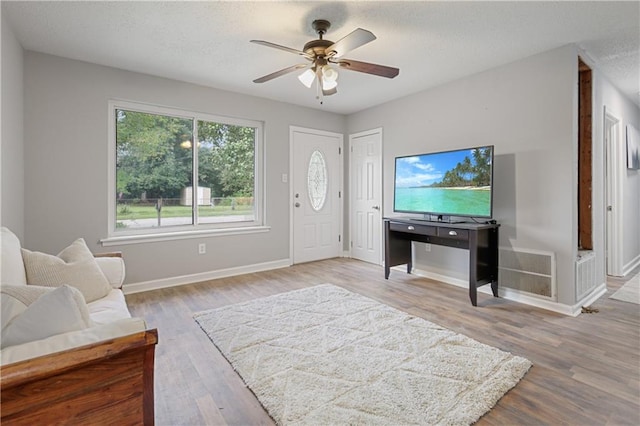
[{"x": 185, "y": 231}]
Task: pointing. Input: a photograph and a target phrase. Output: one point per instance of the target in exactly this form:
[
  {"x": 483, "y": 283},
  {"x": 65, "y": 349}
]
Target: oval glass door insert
[{"x": 317, "y": 180}]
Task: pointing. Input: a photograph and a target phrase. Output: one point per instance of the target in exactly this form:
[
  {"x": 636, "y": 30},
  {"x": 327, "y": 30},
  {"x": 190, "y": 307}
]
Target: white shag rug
[
  {"x": 324, "y": 355},
  {"x": 629, "y": 292}
]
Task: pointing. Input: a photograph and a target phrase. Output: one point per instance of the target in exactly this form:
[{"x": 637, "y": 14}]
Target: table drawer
[
  {"x": 455, "y": 234},
  {"x": 412, "y": 229}
]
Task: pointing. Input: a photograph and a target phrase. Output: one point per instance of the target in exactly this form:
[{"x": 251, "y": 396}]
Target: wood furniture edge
[
  {"x": 18, "y": 380},
  {"x": 108, "y": 254}
]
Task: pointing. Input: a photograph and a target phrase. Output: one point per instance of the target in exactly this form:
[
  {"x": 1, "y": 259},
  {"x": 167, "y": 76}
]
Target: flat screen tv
[{"x": 447, "y": 184}]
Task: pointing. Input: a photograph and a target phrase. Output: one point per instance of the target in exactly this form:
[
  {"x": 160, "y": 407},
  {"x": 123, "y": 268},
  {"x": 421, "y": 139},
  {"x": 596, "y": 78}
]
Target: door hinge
[
  {"x": 339, "y": 238},
  {"x": 339, "y": 151},
  {"x": 339, "y": 194},
  {"x": 351, "y": 244}
]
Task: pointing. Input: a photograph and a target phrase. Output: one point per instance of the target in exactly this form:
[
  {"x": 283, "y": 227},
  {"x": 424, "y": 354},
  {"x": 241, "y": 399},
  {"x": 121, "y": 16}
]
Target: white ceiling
[{"x": 432, "y": 43}]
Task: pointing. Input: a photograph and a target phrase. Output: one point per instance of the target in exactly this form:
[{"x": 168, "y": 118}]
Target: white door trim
[
  {"x": 614, "y": 166},
  {"x": 340, "y": 136},
  {"x": 378, "y": 131}
]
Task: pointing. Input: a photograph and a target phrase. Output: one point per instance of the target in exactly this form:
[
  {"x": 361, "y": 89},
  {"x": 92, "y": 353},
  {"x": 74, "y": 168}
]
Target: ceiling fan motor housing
[{"x": 316, "y": 47}]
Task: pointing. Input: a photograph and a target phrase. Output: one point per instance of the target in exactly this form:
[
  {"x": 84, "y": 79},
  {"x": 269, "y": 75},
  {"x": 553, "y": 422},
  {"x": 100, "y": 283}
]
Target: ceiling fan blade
[
  {"x": 368, "y": 68},
  {"x": 285, "y": 48},
  {"x": 280, "y": 73},
  {"x": 353, "y": 40}
]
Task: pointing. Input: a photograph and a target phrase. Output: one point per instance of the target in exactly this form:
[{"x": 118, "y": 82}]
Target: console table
[{"x": 481, "y": 239}]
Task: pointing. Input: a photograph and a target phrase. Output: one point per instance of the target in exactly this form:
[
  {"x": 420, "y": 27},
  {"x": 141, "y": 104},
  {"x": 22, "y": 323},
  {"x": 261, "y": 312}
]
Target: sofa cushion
[
  {"x": 110, "y": 308},
  {"x": 12, "y": 268},
  {"x": 57, "y": 311},
  {"x": 73, "y": 339},
  {"x": 75, "y": 266}
]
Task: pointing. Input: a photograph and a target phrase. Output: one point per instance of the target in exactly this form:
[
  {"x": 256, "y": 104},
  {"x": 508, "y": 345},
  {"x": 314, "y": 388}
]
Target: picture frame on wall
[{"x": 633, "y": 148}]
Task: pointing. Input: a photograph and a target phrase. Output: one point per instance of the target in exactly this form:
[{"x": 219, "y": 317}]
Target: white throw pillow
[
  {"x": 75, "y": 266},
  {"x": 57, "y": 311},
  {"x": 17, "y": 298}
]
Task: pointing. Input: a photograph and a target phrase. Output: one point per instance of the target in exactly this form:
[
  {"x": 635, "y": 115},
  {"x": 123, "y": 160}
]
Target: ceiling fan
[{"x": 324, "y": 56}]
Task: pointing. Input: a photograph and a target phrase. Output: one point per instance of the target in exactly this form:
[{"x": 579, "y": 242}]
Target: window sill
[{"x": 180, "y": 235}]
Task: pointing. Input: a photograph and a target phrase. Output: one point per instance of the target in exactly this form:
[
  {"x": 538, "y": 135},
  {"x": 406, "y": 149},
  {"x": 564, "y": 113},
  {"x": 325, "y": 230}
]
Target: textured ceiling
[{"x": 431, "y": 42}]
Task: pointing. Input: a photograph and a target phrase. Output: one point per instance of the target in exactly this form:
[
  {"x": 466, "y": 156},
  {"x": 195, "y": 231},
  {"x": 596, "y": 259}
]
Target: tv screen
[{"x": 449, "y": 183}]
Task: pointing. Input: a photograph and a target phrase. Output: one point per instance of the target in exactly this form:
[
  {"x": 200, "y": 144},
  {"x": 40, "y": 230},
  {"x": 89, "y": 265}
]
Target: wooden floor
[{"x": 586, "y": 370}]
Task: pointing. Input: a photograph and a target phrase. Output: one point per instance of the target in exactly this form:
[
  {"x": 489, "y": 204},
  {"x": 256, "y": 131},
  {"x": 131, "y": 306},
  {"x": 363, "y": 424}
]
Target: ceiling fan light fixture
[
  {"x": 307, "y": 77},
  {"x": 329, "y": 74},
  {"x": 328, "y": 84}
]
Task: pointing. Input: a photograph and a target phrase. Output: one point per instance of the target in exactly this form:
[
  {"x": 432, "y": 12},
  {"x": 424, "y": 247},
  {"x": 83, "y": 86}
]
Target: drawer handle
[
  {"x": 453, "y": 233},
  {"x": 411, "y": 228}
]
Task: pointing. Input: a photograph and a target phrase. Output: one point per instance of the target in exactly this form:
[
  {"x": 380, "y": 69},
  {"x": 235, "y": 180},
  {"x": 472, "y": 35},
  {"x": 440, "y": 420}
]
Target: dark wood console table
[{"x": 479, "y": 238}]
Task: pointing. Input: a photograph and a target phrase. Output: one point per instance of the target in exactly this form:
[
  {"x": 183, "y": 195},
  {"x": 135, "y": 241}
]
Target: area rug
[
  {"x": 629, "y": 292},
  {"x": 323, "y": 355}
]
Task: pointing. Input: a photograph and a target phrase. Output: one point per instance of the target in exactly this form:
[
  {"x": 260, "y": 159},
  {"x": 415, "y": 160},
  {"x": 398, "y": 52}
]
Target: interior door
[
  {"x": 366, "y": 196},
  {"x": 614, "y": 160},
  {"x": 316, "y": 194}
]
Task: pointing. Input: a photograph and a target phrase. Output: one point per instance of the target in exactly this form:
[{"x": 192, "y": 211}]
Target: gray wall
[
  {"x": 66, "y": 151},
  {"x": 11, "y": 122},
  {"x": 527, "y": 110}
]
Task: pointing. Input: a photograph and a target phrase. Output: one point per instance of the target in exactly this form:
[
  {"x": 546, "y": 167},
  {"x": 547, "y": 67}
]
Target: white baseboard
[
  {"x": 518, "y": 296},
  {"x": 203, "y": 276},
  {"x": 626, "y": 269}
]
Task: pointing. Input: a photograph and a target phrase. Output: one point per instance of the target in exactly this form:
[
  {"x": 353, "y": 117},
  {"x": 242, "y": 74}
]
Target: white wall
[
  {"x": 11, "y": 144},
  {"x": 527, "y": 109},
  {"x": 628, "y": 113},
  {"x": 66, "y": 150}
]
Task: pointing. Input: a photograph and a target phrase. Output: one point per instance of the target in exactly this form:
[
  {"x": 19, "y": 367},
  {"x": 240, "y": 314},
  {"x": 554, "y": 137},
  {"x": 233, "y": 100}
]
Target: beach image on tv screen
[{"x": 449, "y": 183}]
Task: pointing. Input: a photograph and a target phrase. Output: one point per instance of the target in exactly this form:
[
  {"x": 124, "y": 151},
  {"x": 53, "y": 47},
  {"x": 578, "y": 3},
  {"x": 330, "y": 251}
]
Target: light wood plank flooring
[{"x": 586, "y": 369}]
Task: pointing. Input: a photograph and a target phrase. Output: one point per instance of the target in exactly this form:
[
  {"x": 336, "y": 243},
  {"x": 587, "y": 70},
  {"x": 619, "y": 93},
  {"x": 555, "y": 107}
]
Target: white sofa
[
  {"x": 109, "y": 314},
  {"x": 110, "y": 351}
]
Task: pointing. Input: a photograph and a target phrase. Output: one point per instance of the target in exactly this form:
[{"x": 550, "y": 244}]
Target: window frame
[{"x": 194, "y": 230}]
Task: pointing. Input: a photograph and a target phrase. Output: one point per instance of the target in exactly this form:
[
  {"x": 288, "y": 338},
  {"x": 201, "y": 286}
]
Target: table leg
[
  {"x": 494, "y": 288},
  {"x": 473, "y": 294}
]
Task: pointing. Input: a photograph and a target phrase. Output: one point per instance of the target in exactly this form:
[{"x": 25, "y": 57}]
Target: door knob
[
  {"x": 297, "y": 204},
  {"x": 376, "y": 207}
]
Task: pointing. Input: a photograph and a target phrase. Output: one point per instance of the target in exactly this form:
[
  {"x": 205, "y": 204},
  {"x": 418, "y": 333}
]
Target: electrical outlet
[
  {"x": 427, "y": 247},
  {"x": 202, "y": 248}
]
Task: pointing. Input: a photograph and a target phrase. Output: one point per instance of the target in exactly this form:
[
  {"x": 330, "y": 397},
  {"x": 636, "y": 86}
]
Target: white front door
[
  {"x": 316, "y": 194},
  {"x": 366, "y": 196}
]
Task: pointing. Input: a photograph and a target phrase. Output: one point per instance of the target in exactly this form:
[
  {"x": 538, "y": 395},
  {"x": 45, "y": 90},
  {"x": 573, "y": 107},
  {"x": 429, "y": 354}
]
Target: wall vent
[
  {"x": 529, "y": 271},
  {"x": 585, "y": 273}
]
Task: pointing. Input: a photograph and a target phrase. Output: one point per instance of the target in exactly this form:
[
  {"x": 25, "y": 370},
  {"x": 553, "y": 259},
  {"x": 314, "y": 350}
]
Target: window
[{"x": 158, "y": 154}]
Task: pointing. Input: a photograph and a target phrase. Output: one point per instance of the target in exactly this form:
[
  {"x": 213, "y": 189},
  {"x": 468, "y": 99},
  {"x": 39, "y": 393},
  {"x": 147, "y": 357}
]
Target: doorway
[
  {"x": 365, "y": 177},
  {"x": 316, "y": 198}
]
